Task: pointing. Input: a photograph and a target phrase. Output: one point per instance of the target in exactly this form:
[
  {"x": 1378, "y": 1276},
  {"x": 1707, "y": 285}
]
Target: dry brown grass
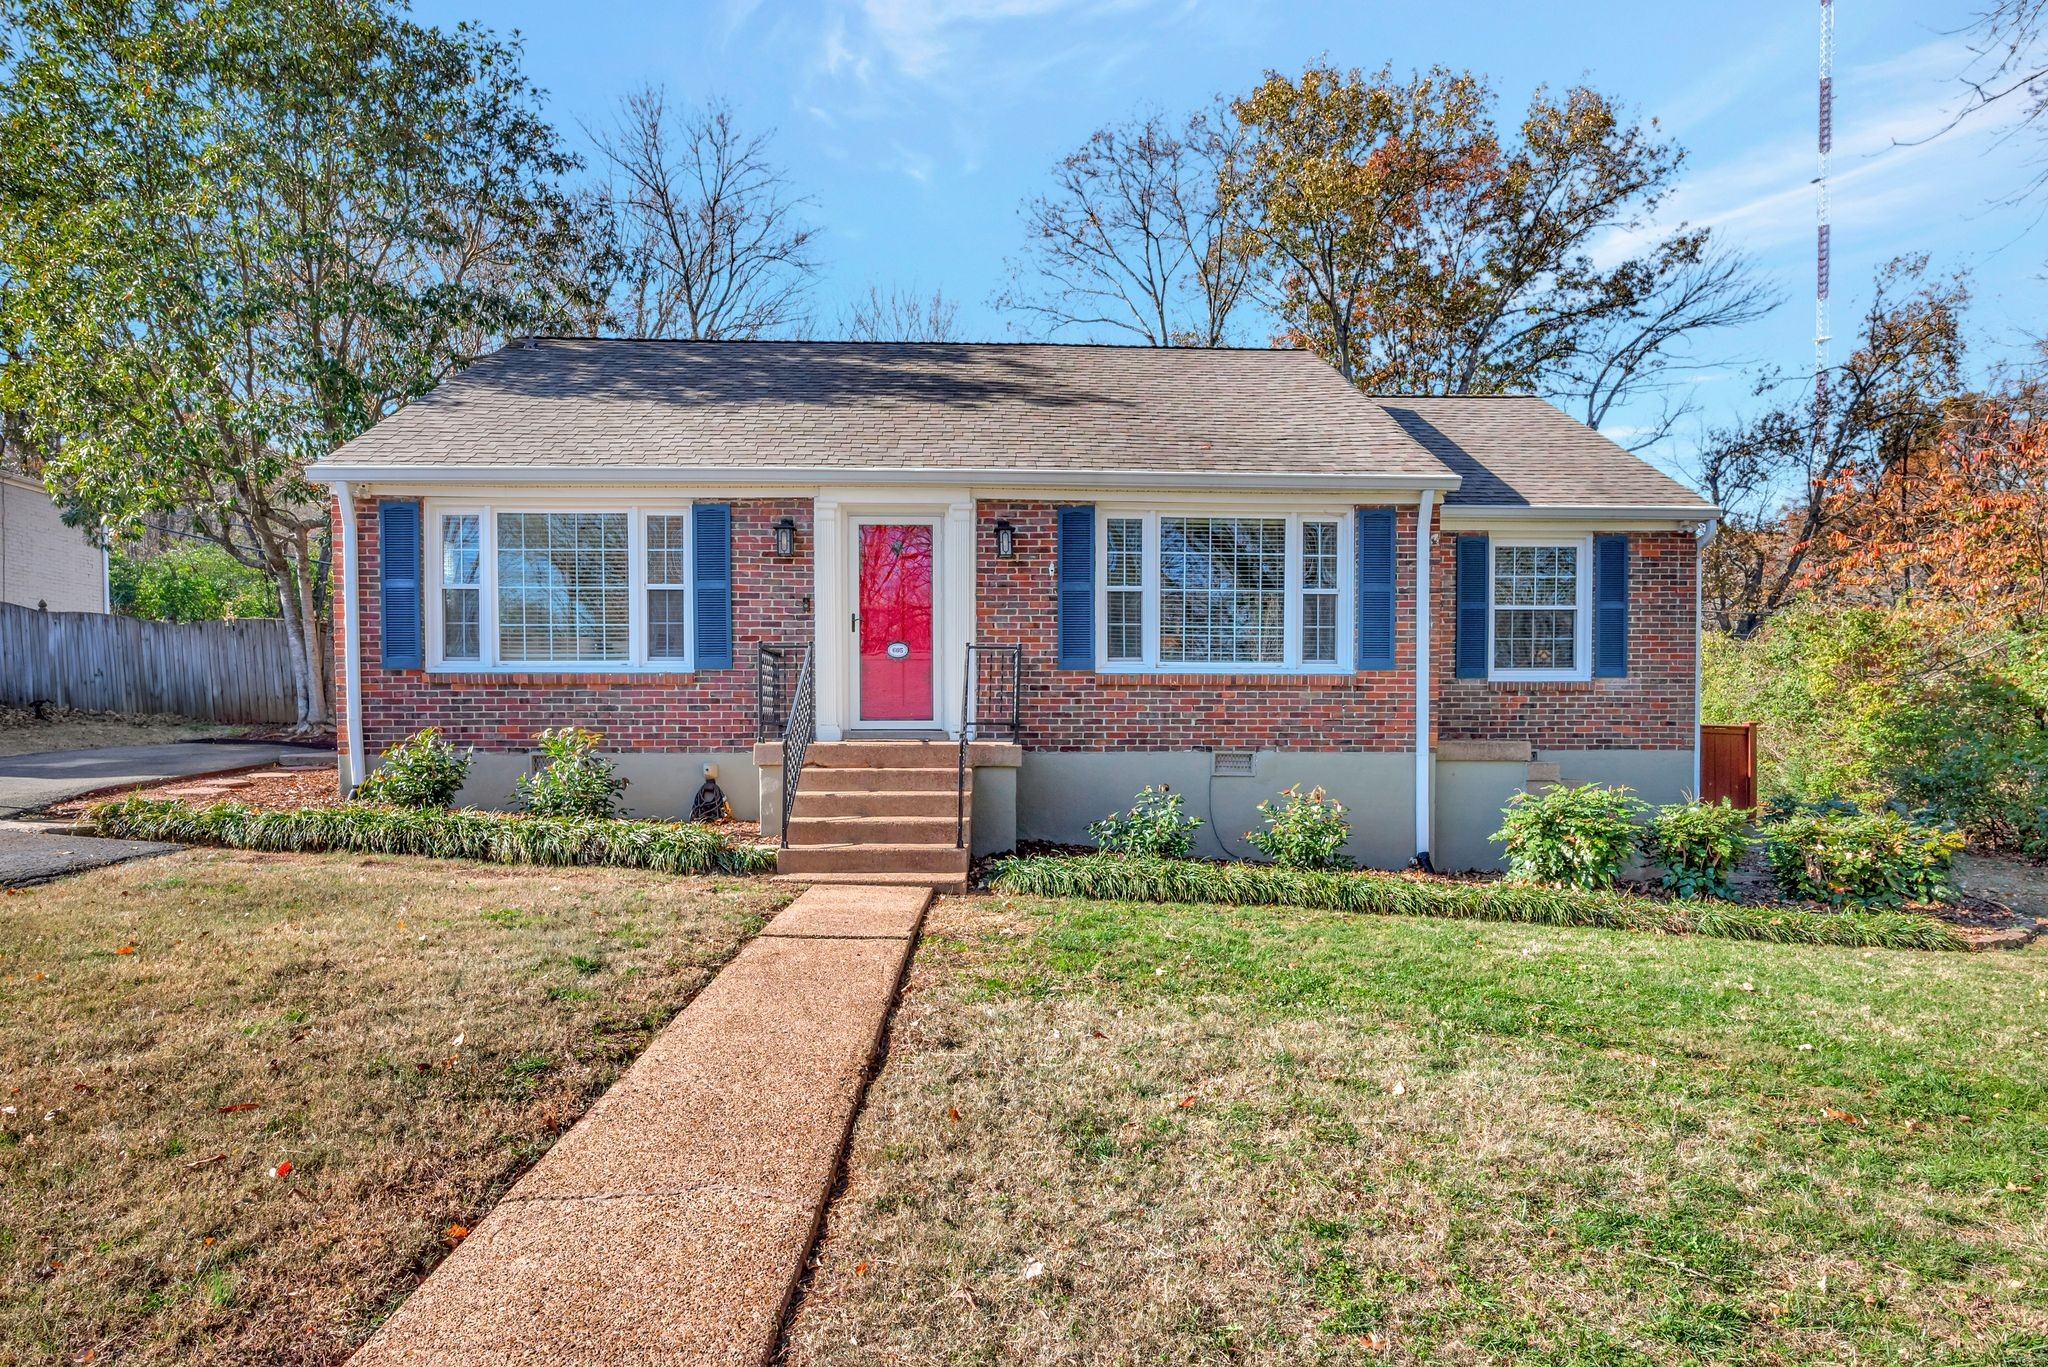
[
  {"x": 1156, "y": 1134},
  {"x": 24, "y": 733},
  {"x": 409, "y": 1035}
]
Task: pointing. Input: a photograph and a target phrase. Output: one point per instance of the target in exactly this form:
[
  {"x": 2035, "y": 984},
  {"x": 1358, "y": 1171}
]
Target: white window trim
[
  {"x": 1582, "y": 637},
  {"x": 1292, "y": 663},
  {"x": 637, "y": 513}
]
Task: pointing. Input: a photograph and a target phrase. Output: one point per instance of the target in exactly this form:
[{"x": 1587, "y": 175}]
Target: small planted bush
[
  {"x": 1303, "y": 831},
  {"x": 576, "y": 781},
  {"x": 1154, "y": 826},
  {"x": 422, "y": 770},
  {"x": 1572, "y": 837},
  {"x": 1699, "y": 844},
  {"x": 1866, "y": 859}
]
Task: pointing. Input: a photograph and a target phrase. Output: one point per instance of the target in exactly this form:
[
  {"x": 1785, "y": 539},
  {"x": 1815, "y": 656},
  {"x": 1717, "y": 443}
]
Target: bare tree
[
  {"x": 709, "y": 241},
  {"x": 1134, "y": 237},
  {"x": 901, "y": 315}
]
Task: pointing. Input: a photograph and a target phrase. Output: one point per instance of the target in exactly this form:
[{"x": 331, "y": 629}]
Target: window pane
[
  {"x": 1319, "y": 592},
  {"x": 1535, "y": 599},
  {"x": 1125, "y": 576},
  {"x": 461, "y": 606},
  {"x": 665, "y": 561},
  {"x": 665, "y": 638},
  {"x": 1222, "y": 590},
  {"x": 563, "y": 587}
]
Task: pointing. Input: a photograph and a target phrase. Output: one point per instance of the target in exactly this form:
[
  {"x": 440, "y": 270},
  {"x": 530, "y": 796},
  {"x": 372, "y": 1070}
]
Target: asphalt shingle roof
[
  {"x": 567, "y": 405},
  {"x": 1519, "y": 451}
]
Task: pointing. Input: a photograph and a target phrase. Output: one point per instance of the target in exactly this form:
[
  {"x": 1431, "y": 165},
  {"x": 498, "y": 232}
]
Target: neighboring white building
[{"x": 44, "y": 563}]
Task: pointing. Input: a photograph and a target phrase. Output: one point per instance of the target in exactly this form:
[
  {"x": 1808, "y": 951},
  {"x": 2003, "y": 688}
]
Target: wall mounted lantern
[
  {"x": 785, "y": 538},
  {"x": 1006, "y": 541}
]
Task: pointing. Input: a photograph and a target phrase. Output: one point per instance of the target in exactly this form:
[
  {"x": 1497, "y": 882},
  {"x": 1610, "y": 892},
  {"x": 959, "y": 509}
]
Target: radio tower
[{"x": 1827, "y": 142}]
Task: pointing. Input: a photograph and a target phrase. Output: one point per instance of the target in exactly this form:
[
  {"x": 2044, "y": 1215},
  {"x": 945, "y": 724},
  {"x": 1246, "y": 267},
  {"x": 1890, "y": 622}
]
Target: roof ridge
[{"x": 513, "y": 344}]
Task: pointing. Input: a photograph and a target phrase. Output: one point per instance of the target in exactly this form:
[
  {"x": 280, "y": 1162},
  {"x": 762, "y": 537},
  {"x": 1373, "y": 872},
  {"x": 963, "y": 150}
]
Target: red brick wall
[
  {"x": 707, "y": 710},
  {"x": 1071, "y": 710},
  {"x": 1651, "y": 709}
]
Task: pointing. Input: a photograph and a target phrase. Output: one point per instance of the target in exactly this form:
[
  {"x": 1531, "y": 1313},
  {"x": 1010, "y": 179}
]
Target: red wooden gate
[{"x": 1728, "y": 764}]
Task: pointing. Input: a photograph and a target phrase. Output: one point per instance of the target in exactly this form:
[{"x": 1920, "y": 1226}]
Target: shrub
[
  {"x": 1303, "y": 831},
  {"x": 1574, "y": 837},
  {"x": 420, "y": 771},
  {"x": 576, "y": 781},
  {"x": 1698, "y": 844},
  {"x": 1191, "y": 881},
  {"x": 1875, "y": 859},
  {"x": 1155, "y": 825},
  {"x": 493, "y": 837}
]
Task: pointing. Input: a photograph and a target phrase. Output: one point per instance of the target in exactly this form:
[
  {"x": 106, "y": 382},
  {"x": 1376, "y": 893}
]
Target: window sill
[
  {"x": 1219, "y": 679},
  {"x": 1533, "y": 685},
  {"x": 583, "y": 677}
]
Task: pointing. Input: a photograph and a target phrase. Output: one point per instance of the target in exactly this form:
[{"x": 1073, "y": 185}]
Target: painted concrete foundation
[
  {"x": 658, "y": 786},
  {"x": 1470, "y": 795},
  {"x": 1060, "y": 792}
]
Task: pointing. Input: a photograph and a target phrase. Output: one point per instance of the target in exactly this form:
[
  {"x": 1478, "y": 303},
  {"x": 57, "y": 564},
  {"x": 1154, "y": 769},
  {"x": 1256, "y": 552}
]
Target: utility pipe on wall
[
  {"x": 1425, "y": 806},
  {"x": 351, "y": 636}
]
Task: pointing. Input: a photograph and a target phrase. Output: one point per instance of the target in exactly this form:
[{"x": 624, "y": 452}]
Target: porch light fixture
[
  {"x": 1006, "y": 541},
  {"x": 785, "y": 538}
]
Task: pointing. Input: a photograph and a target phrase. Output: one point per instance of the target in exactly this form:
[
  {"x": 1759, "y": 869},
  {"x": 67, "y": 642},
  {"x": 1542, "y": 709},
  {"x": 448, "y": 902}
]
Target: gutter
[
  {"x": 351, "y": 635},
  {"x": 1425, "y": 806},
  {"x": 829, "y": 475},
  {"x": 1699, "y": 654}
]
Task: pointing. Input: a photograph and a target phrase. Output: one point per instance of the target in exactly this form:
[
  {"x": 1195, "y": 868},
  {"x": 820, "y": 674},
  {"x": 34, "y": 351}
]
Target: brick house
[{"x": 1208, "y": 569}]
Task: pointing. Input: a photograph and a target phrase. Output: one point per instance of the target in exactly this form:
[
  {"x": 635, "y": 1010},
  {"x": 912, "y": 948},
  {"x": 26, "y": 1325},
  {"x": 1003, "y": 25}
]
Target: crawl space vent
[{"x": 1232, "y": 764}]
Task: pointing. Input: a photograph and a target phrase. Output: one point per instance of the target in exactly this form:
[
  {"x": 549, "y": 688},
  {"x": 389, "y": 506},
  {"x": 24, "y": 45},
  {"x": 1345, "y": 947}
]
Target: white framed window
[
  {"x": 1223, "y": 592},
  {"x": 1539, "y": 608},
  {"x": 528, "y": 588}
]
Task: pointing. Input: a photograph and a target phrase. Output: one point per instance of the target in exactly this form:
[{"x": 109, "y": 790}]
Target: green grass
[
  {"x": 492, "y": 837},
  {"x": 1276, "y": 1136},
  {"x": 1109, "y": 877}
]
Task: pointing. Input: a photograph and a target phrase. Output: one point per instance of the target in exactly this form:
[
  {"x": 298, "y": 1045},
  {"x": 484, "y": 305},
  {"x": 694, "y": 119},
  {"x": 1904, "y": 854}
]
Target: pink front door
[{"x": 895, "y": 623}]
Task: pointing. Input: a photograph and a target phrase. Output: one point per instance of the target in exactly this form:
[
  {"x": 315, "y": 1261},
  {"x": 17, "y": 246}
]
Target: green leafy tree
[
  {"x": 189, "y": 583},
  {"x": 237, "y": 234}
]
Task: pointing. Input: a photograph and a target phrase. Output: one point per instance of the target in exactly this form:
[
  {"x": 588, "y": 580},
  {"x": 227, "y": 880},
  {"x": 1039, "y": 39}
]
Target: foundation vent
[{"x": 1233, "y": 764}]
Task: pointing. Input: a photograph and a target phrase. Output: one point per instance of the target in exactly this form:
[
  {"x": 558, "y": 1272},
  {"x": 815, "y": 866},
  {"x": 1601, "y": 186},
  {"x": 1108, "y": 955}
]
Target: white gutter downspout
[
  {"x": 1425, "y": 809},
  {"x": 1699, "y": 647},
  {"x": 352, "y": 636}
]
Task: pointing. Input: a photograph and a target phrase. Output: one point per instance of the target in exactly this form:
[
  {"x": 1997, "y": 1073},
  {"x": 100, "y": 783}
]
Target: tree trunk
[{"x": 318, "y": 714}]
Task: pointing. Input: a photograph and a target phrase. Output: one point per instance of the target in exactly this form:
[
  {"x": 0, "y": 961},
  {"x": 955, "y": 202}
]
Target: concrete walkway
[
  {"x": 28, "y": 855},
  {"x": 28, "y": 782},
  {"x": 672, "y": 1223}
]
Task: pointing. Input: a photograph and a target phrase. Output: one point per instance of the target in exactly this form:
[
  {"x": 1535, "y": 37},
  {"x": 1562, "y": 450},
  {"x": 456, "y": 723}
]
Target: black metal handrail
[
  {"x": 771, "y": 690},
  {"x": 973, "y": 728},
  {"x": 798, "y": 732}
]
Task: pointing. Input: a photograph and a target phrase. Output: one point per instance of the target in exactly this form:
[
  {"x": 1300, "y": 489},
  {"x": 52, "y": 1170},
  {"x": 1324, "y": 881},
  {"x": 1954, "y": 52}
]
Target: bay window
[
  {"x": 1230, "y": 593},
  {"x": 528, "y": 589}
]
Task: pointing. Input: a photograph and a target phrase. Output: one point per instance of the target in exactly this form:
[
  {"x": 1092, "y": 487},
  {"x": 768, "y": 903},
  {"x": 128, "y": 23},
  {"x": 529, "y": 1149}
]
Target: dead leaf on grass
[
  {"x": 1846, "y": 1117},
  {"x": 238, "y": 1106},
  {"x": 953, "y": 1114},
  {"x": 457, "y": 1233}
]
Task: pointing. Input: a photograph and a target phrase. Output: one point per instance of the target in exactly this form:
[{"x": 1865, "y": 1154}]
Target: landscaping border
[
  {"x": 492, "y": 837},
  {"x": 1125, "y": 879}
]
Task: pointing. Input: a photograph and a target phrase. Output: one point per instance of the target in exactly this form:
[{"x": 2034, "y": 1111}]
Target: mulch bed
[{"x": 269, "y": 790}]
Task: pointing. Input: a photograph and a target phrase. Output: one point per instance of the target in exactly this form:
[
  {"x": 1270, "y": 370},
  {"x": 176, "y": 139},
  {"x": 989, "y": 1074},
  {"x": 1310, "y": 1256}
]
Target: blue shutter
[
  {"x": 711, "y": 583},
  {"x": 1077, "y": 586},
  {"x": 1474, "y": 564},
  {"x": 1375, "y": 588},
  {"x": 1610, "y": 607},
  {"x": 400, "y": 631}
]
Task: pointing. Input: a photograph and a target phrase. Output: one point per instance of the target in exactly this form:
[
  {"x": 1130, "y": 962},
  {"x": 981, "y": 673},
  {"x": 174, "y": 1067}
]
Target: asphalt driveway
[
  {"x": 28, "y": 782},
  {"x": 31, "y": 856}
]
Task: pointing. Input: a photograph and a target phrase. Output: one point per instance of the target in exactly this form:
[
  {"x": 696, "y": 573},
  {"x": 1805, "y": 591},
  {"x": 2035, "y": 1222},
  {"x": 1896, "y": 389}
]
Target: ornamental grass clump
[
  {"x": 1155, "y": 826},
  {"x": 422, "y": 770},
  {"x": 1865, "y": 859},
  {"x": 1303, "y": 831},
  {"x": 576, "y": 781},
  {"x": 492, "y": 837},
  {"x": 1698, "y": 844},
  {"x": 1570, "y": 837},
  {"x": 1125, "y": 879}
]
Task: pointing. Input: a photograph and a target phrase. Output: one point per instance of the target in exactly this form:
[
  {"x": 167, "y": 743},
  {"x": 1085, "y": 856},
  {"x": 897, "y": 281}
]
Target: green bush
[
  {"x": 188, "y": 583},
  {"x": 1698, "y": 844},
  {"x": 1155, "y": 825},
  {"x": 1112, "y": 878},
  {"x": 493, "y": 837},
  {"x": 1303, "y": 831},
  {"x": 576, "y": 781},
  {"x": 1569, "y": 836},
  {"x": 1876, "y": 859},
  {"x": 420, "y": 771}
]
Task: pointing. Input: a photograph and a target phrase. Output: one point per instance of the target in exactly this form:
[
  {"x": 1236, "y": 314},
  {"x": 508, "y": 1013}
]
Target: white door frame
[
  {"x": 938, "y": 643},
  {"x": 835, "y": 595}
]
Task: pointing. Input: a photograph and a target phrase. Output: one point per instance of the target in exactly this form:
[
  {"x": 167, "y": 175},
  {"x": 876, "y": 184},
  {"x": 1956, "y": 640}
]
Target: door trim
[{"x": 853, "y": 530}]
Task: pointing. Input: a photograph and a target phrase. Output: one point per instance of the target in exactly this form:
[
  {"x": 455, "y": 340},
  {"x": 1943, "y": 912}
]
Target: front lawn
[
  {"x": 406, "y": 1035},
  {"x": 1110, "y": 1132}
]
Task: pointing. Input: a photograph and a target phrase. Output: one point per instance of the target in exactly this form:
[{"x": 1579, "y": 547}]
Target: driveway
[
  {"x": 30, "y": 856},
  {"x": 28, "y": 782}
]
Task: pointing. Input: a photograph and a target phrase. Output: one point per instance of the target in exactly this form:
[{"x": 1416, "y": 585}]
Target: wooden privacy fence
[
  {"x": 1728, "y": 763},
  {"x": 215, "y": 671}
]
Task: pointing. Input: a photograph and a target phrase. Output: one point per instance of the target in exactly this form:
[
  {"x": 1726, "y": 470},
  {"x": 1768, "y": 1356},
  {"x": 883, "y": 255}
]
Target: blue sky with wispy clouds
[{"x": 918, "y": 126}]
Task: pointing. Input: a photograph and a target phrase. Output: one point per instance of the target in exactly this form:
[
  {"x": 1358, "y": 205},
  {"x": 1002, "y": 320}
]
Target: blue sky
[{"x": 918, "y": 126}]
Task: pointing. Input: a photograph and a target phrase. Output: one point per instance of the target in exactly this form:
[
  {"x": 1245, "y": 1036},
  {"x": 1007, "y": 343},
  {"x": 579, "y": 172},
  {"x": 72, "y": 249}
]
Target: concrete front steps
[{"x": 878, "y": 811}]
